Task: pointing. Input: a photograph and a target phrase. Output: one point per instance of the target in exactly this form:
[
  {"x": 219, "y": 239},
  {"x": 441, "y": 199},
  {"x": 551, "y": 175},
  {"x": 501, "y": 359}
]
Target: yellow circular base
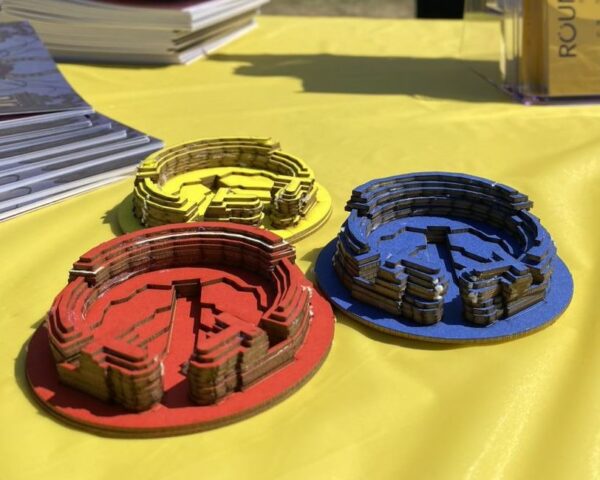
[{"x": 316, "y": 218}]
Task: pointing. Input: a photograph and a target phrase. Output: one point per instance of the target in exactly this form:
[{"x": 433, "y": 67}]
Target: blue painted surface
[
  {"x": 452, "y": 328},
  {"x": 445, "y": 256}
]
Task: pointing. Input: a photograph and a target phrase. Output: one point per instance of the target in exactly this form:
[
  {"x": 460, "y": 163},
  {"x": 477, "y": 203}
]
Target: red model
[{"x": 182, "y": 317}]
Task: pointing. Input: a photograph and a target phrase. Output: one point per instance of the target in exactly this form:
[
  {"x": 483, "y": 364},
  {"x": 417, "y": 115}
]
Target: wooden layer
[
  {"x": 188, "y": 313},
  {"x": 242, "y": 180}
]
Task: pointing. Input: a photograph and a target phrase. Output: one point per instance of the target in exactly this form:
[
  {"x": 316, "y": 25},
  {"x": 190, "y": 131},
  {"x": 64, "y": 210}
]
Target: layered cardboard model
[
  {"x": 179, "y": 328},
  {"x": 243, "y": 180},
  {"x": 444, "y": 257}
]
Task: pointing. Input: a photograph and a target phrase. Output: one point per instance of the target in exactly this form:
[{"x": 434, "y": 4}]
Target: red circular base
[
  {"x": 177, "y": 414},
  {"x": 177, "y": 329}
]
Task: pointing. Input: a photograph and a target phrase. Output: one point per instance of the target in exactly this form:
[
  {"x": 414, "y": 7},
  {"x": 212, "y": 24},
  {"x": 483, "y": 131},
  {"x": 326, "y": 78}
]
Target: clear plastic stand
[{"x": 539, "y": 51}]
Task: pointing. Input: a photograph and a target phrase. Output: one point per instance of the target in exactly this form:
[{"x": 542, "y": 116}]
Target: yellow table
[{"x": 356, "y": 99}]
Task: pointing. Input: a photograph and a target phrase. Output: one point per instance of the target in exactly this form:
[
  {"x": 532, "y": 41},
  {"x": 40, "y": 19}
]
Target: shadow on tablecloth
[{"x": 446, "y": 78}]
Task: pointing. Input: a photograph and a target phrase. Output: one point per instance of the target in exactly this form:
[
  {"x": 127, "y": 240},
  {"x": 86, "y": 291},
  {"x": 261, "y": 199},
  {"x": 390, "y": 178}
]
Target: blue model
[{"x": 444, "y": 257}]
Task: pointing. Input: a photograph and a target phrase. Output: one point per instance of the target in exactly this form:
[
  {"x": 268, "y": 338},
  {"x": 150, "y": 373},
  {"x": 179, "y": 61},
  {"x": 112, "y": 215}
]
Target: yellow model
[{"x": 242, "y": 180}]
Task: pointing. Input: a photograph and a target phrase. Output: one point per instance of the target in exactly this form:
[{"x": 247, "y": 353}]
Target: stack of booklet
[
  {"x": 52, "y": 144},
  {"x": 135, "y": 31}
]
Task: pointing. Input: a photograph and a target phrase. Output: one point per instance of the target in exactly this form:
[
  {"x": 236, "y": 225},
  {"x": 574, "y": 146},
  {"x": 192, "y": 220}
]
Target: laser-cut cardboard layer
[
  {"x": 426, "y": 247},
  {"x": 184, "y": 316},
  {"x": 243, "y": 180}
]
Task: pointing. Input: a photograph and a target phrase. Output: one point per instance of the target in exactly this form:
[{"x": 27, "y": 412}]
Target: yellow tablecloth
[{"x": 357, "y": 99}]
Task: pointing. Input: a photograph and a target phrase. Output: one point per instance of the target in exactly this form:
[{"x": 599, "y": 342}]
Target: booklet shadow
[{"x": 445, "y": 78}]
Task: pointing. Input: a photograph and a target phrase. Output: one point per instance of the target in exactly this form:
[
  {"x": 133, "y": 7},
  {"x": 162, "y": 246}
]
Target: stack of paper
[
  {"x": 135, "y": 31},
  {"x": 52, "y": 144}
]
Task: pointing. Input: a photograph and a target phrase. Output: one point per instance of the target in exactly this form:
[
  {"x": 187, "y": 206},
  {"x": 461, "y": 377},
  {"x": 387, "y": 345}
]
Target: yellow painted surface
[
  {"x": 224, "y": 179},
  {"x": 317, "y": 216},
  {"x": 356, "y": 99}
]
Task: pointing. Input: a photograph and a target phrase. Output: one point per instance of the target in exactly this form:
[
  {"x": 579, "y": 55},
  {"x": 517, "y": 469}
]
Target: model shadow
[
  {"x": 111, "y": 216},
  {"x": 44, "y": 377},
  {"x": 447, "y": 78},
  {"x": 311, "y": 257},
  {"x": 21, "y": 378}
]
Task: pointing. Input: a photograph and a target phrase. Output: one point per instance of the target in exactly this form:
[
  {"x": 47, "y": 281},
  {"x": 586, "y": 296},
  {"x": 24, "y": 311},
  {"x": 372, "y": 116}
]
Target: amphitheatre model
[
  {"x": 444, "y": 257},
  {"x": 243, "y": 180},
  {"x": 179, "y": 328}
]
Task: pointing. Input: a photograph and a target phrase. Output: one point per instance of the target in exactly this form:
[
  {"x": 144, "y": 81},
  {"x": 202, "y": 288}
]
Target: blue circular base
[{"x": 452, "y": 328}]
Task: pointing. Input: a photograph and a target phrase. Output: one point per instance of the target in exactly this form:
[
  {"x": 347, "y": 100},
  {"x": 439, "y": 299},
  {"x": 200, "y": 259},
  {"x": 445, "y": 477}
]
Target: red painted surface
[{"x": 255, "y": 334}]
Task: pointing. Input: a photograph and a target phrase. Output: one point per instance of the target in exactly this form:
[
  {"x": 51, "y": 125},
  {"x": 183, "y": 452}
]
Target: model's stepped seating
[
  {"x": 286, "y": 194},
  {"x": 494, "y": 284},
  {"x": 123, "y": 361}
]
